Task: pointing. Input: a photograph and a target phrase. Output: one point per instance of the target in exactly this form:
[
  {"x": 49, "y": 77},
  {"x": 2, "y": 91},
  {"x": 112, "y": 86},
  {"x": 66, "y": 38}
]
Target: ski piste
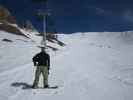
[{"x": 86, "y": 69}]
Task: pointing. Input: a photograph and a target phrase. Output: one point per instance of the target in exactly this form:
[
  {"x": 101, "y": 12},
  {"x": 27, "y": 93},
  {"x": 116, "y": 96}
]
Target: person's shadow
[{"x": 23, "y": 85}]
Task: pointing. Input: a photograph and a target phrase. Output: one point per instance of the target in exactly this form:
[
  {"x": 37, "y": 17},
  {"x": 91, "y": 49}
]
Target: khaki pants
[{"x": 44, "y": 71}]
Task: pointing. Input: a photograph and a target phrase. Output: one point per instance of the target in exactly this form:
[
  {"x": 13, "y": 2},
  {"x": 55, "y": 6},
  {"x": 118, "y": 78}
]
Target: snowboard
[
  {"x": 50, "y": 87},
  {"x": 51, "y": 90},
  {"x": 30, "y": 87}
]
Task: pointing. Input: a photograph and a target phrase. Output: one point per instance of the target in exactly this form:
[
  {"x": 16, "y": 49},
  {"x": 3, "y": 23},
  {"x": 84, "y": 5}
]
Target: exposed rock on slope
[
  {"x": 8, "y": 22},
  {"x": 5, "y": 16}
]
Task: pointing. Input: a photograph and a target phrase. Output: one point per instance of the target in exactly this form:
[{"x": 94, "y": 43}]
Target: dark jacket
[{"x": 41, "y": 59}]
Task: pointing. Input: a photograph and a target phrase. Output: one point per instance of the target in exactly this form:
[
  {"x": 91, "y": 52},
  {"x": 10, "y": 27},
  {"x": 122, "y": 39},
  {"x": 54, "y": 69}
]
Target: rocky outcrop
[
  {"x": 8, "y": 22},
  {"x": 5, "y": 16},
  {"x": 11, "y": 29},
  {"x": 4, "y": 13}
]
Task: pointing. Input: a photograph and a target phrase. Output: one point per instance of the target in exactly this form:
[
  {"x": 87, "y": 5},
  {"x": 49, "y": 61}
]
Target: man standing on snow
[{"x": 42, "y": 61}]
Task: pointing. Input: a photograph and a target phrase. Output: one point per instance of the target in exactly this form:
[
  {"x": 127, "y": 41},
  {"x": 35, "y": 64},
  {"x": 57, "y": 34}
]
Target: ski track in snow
[{"x": 90, "y": 67}]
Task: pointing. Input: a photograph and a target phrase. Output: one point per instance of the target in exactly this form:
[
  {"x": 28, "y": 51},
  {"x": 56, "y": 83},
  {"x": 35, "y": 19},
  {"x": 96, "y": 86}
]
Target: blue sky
[{"x": 78, "y": 15}]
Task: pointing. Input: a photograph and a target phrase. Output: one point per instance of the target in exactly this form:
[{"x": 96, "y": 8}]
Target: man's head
[{"x": 43, "y": 49}]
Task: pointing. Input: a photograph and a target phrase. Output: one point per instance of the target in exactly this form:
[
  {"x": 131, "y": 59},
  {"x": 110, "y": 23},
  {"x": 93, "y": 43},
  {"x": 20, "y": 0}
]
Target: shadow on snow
[{"x": 22, "y": 84}]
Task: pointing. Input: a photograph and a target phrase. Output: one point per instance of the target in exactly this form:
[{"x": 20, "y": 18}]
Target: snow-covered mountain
[{"x": 92, "y": 66}]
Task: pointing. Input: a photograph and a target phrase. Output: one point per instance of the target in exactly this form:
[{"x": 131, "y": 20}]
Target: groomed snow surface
[{"x": 92, "y": 66}]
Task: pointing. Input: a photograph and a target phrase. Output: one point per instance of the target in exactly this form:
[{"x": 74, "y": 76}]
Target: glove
[
  {"x": 34, "y": 63},
  {"x": 48, "y": 68}
]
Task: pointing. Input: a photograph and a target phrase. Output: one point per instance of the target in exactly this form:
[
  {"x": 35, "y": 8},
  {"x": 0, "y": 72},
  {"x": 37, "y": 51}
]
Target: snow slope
[{"x": 93, "y": 66}]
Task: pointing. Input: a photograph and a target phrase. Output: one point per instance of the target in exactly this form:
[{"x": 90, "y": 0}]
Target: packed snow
[{"x": 92, "y": 66}]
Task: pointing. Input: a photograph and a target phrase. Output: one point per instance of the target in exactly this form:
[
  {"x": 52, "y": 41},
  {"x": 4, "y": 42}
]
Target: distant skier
[{"x": 42, "y": 61}]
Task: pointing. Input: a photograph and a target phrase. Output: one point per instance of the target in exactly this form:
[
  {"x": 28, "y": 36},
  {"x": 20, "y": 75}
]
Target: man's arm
[
  {"x": 48, "y": 62},
  {"x": 35, "y": 59}
]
